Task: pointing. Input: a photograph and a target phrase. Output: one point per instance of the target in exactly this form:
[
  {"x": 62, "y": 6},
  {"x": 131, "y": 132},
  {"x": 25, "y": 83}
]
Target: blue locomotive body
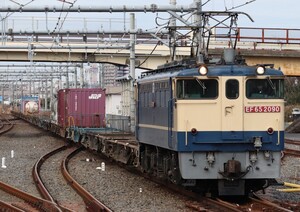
[{"x": 211, "y": 122}]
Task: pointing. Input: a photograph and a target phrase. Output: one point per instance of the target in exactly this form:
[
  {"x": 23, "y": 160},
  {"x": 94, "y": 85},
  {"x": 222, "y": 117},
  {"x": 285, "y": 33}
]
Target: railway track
[
  {"x": 5, "y": 125},
  {"x": 201, "y": 203},
  {"x": 29, "y": 144},
  {"x": 206, "y": 203},
  {"x": 289, "y": 141},
  {"x": 254, "y": 204},
  {"x": 249, "y": 204},
  {"x": 292, "y": 152},
  {"x": 259, "y": 204},
  {"x": 91, "y": 203},
  {"x": 24, "y": 201}
]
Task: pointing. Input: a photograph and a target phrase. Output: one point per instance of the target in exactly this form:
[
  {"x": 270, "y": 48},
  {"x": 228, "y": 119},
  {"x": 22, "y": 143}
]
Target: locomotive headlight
[
  {"x": 260, "y": 70},
  {"x": 203, "y": 70}
]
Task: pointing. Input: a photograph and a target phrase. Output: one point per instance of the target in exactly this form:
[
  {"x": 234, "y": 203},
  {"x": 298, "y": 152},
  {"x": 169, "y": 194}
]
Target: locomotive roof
[{"x": 213, "y": 71}]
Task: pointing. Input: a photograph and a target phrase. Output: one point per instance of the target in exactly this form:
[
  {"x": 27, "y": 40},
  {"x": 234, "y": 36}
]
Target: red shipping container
[{"x": 82, "y": 107}]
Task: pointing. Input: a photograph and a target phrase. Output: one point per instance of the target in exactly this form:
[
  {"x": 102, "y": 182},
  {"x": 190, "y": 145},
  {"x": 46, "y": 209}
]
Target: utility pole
[
  {"x": 51, "y": 93},
  {"x": 67, "y": 78},
  {"x": 198, "y": 39},
  {"x": 100, "y": 78},
  {"x": 75, "y": 76},
  {"x": 46, "y": 95},
  {"x": 30, "y": 85},
  {"x": 132, "y": 73},
  {"x": 81, "y": 76},
  {"x": 173, "y": 38},
  {"x": 3, "y": 85},
  {"x": 13, "y": 95}
]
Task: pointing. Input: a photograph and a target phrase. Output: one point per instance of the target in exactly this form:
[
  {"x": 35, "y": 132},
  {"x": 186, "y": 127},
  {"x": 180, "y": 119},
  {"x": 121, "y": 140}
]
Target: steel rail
[
  {"x": 269, "y": 204},
  {"x": 92, "y": 204},
  {"x": 292, "y": 152},
  {"x": 7, "y": 129},
  {"x": 260, "y": 203},
  {"x": 8, "y": 207},
  {"x": 43, "y": 205},
  {"x": 38, "y": 181},
  {"x": 1, "y": 124},
  {"x": 223, "y": 204},
  {"x": 289, "y": 141},
  {"x": 207, "y": 203}
]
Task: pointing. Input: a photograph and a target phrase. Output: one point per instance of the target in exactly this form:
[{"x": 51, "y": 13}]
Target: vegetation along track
[{"x": 91, "y": 203}]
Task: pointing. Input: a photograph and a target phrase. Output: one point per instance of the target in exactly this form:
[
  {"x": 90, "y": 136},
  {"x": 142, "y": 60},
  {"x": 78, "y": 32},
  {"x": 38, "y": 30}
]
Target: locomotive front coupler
[
  {"x": 233, "y": 170},
  {"x": 257, "y": 140}
]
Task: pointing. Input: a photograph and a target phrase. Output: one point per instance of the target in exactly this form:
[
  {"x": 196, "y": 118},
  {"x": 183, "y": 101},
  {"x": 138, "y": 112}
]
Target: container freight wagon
[{"x": 84, "y": 107}]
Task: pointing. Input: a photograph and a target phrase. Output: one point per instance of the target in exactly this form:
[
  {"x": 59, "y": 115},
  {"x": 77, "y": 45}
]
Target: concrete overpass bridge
[{"x": 280, "y": 47}]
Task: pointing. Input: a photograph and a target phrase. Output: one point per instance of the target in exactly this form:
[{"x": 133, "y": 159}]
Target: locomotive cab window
[
  {"x": 197, "y": 89},
  {"x": 232, "y": 89},
  {"x": 265, "y": 88}
]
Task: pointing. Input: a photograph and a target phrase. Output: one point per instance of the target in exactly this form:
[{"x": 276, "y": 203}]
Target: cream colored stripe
[{"x": 153, "y": 127}]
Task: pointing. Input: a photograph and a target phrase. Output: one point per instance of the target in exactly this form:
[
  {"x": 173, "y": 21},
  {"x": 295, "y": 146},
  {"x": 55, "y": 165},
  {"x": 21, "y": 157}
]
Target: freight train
[{"x": 211, "y": 127}]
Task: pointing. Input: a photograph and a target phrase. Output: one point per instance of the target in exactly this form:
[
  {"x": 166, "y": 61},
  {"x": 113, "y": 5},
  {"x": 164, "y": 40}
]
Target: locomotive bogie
[{"x": 160, "y": 163}]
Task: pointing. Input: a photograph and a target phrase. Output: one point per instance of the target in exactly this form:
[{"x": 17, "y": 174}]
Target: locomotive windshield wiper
[
  {"x": 271, "y": 83},
  {"x": 201, "y": 83}
]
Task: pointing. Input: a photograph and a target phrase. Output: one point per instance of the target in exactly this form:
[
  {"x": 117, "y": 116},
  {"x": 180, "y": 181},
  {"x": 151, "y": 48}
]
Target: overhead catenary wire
[
  {"x": 16, "y": 3},
  {"x": 241, "y": 5},
  {"x": 21, "y": 6},
  {"x": 61, "y": 24},
  {"x": 8, "y": 14},
  {"x": 148, "y": 55}
]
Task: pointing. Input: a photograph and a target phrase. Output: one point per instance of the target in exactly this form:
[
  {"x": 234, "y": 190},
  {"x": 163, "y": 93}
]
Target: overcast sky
[{"x": 266, "y": 13}]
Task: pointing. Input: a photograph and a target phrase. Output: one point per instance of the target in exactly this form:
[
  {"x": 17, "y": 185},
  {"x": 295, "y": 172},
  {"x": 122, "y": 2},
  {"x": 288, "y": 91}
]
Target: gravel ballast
[
  {"x": 119, "y": 189},
  {"x": 115, "y": 186}
]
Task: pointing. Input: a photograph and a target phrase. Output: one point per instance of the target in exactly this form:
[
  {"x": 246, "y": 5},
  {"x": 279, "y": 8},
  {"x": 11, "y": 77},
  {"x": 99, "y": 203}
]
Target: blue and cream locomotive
[{"x": 217, "y": 127}]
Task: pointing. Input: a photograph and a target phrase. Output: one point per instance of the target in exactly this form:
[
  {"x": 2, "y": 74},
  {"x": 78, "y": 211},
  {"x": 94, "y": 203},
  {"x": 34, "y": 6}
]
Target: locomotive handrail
[
  {"x": 278, "y": 133},
  {"x": 186, "y": 134}
]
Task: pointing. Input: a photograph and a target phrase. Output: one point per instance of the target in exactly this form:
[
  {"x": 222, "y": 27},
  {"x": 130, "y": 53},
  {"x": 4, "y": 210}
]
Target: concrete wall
[{"x": 113, "y": 105}]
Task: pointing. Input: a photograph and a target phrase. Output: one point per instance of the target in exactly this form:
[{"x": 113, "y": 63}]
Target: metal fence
[{"x": 118, "y": 122}]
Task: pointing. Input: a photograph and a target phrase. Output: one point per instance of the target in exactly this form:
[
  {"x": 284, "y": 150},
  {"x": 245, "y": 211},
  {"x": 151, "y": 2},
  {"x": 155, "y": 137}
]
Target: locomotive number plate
[{"x": 262, "y": 109}]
